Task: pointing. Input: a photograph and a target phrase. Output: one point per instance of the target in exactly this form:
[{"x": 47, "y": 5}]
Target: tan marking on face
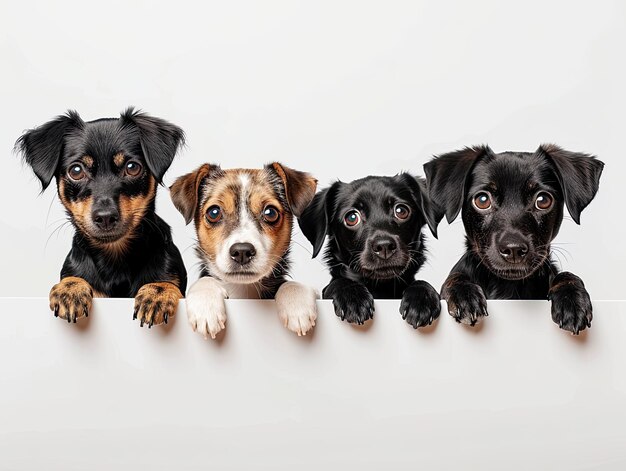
[
  {"x": 261, "y": 195},
  {"x": 118, "y": 159},
  {"x": 225, "y": 192},
  {"x": 222, "y": 192},
  {"x": 80, "y": 209},
  {"x": 87, "y": 160}
]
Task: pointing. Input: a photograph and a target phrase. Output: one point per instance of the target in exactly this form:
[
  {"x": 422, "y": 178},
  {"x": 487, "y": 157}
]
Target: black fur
[
  {"x": 508, "y": 243},
  {"x": 358, "y": 274},
  {"x": 135, "y": 247}
]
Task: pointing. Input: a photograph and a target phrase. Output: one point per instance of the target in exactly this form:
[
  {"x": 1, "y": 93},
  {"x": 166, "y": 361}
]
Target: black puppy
[
  {"x": 107, "y": 172},
  {"x": 512, "y": 208},
  {"x": 375, "y": 245}
]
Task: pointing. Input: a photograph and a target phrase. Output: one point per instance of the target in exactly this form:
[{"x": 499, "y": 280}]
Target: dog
[
  {"x": 375, "y": 246},
  {"x": 107, "y": 173},
  {"x": 243, "y": 220},
  {"x": 512, "y": 208}
]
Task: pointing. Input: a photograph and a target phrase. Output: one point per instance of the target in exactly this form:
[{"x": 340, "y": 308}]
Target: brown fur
[
  {"x": 87, "y": 160},
  {"x": 71, "y": 298},
  {"x": 132, "y": 211},
  {"x": 155, "y": 303},
  {"x": 80, "y": 209},
  {"x": 118, "y": 159}
]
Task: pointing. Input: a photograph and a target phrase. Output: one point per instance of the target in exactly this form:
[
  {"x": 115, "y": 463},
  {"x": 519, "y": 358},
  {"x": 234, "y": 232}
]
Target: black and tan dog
[
  {"x": 375, "y": 246},
  {"x": 512, "y": 208},
  {"x": 243, "y": 220},
  {"x": 107, "y": 173}
]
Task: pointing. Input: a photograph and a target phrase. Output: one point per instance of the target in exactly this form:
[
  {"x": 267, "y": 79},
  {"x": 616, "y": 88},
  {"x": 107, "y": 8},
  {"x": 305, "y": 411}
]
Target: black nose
[
  {"x": 513, "y": 248},
  {"x": 384, "y": 247},
  {"x": 242, "y": 253},
  {"x": 105, "y": 219}
]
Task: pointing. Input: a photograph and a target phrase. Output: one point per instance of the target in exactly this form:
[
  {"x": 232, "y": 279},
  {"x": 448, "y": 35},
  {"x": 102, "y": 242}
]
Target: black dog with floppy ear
[
  {"x": 107, "y": 171},
  {"x": 375, "y": 245},
  {"x": 512, "y": 208},
  {"x": 43, "y": 146}
]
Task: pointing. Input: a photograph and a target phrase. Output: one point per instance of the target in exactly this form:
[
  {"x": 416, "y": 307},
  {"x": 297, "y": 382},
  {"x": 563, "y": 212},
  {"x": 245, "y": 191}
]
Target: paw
[
  {"x": 466, "y": 303},
  {"x": 571, "y": 304},
  {"x": 296, "y": 306},
  {"x": 155, "y": 303},
  {"x": 420, "y": 304},
  {"x": 71, "y": 298},
  {"x": 354, "y": 303},
  {"x": 206, "y": 310}
]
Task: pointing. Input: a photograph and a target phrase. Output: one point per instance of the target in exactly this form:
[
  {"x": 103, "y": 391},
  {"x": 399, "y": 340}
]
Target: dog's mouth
[
  {"x": 242, "y": 276},
  {"x": 515, "y": 272},
  {"x": 383, "y": 272}
]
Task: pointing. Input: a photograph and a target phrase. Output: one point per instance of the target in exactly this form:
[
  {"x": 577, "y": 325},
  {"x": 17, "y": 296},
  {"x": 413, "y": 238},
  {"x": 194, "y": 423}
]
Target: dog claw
[
  {"x": 141, "y": 323},
  {"x": 86, "y": 311},
  {"x": 165, "y": 317},
  {"x": 135, "y": 313},
  {"x": 56, "y": 311}
]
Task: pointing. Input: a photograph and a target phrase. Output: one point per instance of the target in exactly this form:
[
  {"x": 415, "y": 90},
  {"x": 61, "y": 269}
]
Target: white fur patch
[
  {"x": 205, "y": 306},
  {"x": 246, "y": 232},
  {"x": 296, "y": 306}
]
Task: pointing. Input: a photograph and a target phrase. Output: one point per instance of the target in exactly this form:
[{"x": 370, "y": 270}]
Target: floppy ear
[
  {"x": 316, "y": 217},
  {"x": 420, "y": 195},
  {"x": 446, "y": 177},
  {"x": 186, "y": 190},
  {"x": 41, "y": 148},
  {"x": 578, "y": 175},
  {"x": 299, "y": 187},
  {"x": 159, "y": 139}
]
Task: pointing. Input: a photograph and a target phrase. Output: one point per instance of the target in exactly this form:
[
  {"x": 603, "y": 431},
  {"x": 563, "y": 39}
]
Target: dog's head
[
  {"x": 106, "y": 170},
  {"x": 243, "y": 217},
  {"x": 374, "y": 223},
  {"x": 512, "y": 202}
]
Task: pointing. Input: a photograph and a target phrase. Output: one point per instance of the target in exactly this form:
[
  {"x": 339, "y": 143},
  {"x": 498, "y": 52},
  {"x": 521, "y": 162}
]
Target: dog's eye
[
  {"x": 76, "y": 172},
  {"x": 482, "y": 200},
  {"x": 544, "y": 201},
  {"x": 271, "y": 214},
  {"x": 352, "y": 218},
  {"x": 401, "y": 211},
  {"x": 132, "y": 168},
  {"x": 214, "y": 214}
]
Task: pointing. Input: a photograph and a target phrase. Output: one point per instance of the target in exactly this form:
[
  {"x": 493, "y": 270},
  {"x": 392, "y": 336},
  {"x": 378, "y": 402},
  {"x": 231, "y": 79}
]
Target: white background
[
  {"x": 515, "y": 393},
  {"x": 341, "y": 89}
]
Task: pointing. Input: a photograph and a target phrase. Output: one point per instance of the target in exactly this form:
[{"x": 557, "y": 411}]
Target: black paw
[
  {"x": 571, "y": 305},
  {"x": 466, "y": 302},
  {"x": 420, "y": 304},
  {"x": 354, "y": 303}
]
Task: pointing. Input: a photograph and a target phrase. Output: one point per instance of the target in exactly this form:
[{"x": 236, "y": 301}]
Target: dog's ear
[
  {"x": 160, "y": 140},
  {"x": 41, "y": 148},
  {"x": 418, "y": 189},
  {"x": 299, "y": 186},
  {"x": 185, "y": 191},
  {"x": 316, "y": 218},
  {"x": 578, "y": 174},
  {"x": 446, "y": 177}
]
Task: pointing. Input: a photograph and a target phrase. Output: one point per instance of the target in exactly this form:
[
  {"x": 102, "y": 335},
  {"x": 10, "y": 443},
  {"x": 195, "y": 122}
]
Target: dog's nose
[
  {"x": 242, "y": 253},
  {"x": 384, "y": 247},
  {"x": 513, "y": 249},
  {"x": 105, "y": 219}
]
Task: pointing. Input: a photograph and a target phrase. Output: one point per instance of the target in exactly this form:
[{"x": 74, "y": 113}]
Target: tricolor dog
[
  {"x": 243, "y": 220},
  {"x": 107, "y": 172}
]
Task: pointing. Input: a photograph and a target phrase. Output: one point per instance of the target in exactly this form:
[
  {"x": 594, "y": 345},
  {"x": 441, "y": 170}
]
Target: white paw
[
  {"x": 206, "y": 310},
  {"x": 296, "y": 306}
]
